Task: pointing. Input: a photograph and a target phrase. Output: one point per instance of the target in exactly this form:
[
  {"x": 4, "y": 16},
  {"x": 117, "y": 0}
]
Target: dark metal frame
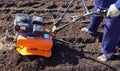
[{"x": 74, "y": 18}]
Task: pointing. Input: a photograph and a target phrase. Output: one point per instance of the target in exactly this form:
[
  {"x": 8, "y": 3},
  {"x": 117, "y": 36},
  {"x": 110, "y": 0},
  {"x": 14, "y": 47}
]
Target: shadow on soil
[{"x": 63, "y": 54}]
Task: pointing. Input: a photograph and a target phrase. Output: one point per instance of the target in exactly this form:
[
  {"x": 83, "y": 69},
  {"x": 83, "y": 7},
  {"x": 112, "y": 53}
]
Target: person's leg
[
  {"x": 94, "y": 23},
  {"x": 111, "y": 35},
  {"x": 110, "y": 38}
]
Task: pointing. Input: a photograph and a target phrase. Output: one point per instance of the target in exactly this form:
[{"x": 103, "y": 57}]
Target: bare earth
[{"x": 65, "y": 57}]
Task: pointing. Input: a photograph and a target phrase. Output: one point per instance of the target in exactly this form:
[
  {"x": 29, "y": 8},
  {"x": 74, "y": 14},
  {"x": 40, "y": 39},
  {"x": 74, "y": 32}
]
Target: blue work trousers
[
  {"x": 111, "y": 35},
  {"x": 94, "y": 23},
  {"x": 111, "y": 32}
]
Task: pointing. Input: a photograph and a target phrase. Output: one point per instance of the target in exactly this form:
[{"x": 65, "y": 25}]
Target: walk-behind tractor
[{"x": 32, "y": 38}]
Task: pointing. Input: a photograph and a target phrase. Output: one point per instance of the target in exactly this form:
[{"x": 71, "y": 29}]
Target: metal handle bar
[
  {"x": 79, "y": 17},
  {"x": 59, "y": 20},
  {"x": 61, "y": 17},
  {"x": 85, "y": 6}
]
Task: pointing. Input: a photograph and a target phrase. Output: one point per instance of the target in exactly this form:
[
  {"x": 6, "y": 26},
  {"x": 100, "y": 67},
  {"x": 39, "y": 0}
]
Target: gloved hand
[{"x": 113, "y": 11}]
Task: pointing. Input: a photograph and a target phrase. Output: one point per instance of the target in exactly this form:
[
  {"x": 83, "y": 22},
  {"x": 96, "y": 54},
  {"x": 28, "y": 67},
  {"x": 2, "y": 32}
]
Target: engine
[{"x": 22, "y": 23}]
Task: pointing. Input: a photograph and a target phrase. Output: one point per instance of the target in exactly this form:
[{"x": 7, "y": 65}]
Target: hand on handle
[{"x": 113, "y": 11}]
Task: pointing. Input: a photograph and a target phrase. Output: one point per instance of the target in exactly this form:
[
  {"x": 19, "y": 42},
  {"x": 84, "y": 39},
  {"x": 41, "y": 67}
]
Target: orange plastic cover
[{"x": 34, "y": 46}]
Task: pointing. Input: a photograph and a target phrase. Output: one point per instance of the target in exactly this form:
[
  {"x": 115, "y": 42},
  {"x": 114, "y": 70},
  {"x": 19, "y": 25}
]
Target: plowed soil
[{"x": 65, "y": 57}]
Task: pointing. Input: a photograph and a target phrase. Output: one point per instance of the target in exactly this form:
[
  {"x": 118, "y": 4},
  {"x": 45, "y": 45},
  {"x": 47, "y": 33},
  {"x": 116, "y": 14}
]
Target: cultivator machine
[{"x": 32, "y": 38}]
